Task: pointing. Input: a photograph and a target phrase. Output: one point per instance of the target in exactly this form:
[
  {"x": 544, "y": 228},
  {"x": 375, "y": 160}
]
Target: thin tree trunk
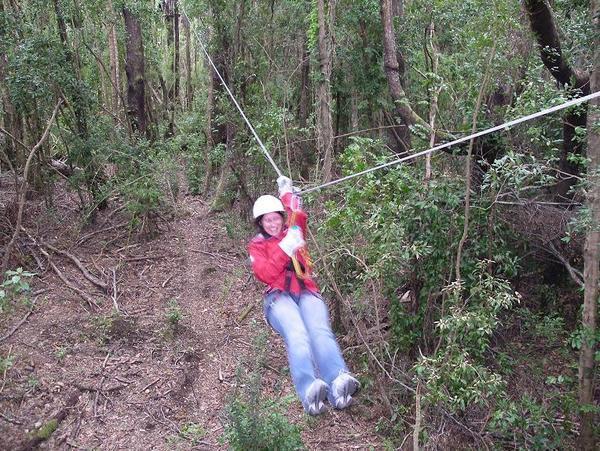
[
  {"x": 210, "y": 144},
  {"x": 303, "y": 108},
  {"x": 134, "y": 68},
  {"x": 433, "y": 104},
  {"x": 189, "y": 93},
  {"x": 324, "y": 123},
  {"x": 176, "y": 50},
  {"x": 115, "y": 71},
  {"x": 591, "y": 254}
]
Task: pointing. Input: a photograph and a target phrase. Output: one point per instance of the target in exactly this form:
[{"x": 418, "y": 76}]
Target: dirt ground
[{"x": 149, "y": 360}]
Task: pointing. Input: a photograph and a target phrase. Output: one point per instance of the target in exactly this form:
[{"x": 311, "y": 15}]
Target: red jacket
[{"x": 271, "y": 265}]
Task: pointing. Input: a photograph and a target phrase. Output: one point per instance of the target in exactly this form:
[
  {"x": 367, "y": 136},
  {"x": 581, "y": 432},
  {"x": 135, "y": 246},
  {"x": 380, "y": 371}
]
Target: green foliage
[
  {"x": 193, "y": 433},
  {"x": 256, "y": 423},
  {"x": 527, "y": 424},
  {"x": 14, "y": 286},
  {"x": 173, "y": 316},
  {"x": 396, "y": 229},
  {"x": 47, "y": 430},
  {"x": 6, "y": 363},
  {"x": 457, "y": 376}
]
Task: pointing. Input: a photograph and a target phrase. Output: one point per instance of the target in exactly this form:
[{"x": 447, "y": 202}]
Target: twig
[
  {"x": 244, "y": 313},
  {"x": 114, "y": 290},
  {"x": 150, "y": 384},
  {"x": 6, "y": 368},
  {"x": 164, "y": 284},
  {"x": 148, "y": 257},
  {"x": 108, "y": 229},
  {"x": 226, "y": 257},
  {"x": 20, "y": 323}
]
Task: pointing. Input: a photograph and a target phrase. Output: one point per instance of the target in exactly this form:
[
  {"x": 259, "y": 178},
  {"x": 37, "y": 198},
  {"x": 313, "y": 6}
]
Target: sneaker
[
  {"x": 342, "y": 389},
  {"x": 315, "y": 395}
]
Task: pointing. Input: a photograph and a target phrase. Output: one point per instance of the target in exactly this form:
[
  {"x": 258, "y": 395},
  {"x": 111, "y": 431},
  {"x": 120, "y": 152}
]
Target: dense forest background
[{"x": 466, "y": 282}]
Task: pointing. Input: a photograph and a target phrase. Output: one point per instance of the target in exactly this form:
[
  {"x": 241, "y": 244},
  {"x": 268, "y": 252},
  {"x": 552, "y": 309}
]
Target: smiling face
[{"x": 272, "y": 223}]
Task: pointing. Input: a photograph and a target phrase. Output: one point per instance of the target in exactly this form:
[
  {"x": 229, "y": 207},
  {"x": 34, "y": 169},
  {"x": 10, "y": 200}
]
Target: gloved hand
[
  {"x": 285, "y": 185},
  {"x": 292, "y": 241}
]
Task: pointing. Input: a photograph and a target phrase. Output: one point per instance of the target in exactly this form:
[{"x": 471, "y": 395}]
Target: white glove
[
  {"x": 285, "y": 185},
  {"x": 292, "y": 241}
]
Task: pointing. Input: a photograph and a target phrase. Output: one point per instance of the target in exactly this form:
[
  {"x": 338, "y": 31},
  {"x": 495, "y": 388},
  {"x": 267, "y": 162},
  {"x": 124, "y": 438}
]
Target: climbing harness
[{"x": 302, "y": 271}]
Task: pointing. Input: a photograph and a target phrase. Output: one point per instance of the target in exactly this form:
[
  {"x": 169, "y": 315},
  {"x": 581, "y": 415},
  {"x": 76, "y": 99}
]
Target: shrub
[
  {"x": 14, "y": 285},
  {"x": 254, "y": 422}
]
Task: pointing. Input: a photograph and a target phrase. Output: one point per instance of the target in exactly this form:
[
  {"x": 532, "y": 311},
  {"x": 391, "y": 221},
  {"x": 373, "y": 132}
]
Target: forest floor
[{"x": 152, "y": 360}]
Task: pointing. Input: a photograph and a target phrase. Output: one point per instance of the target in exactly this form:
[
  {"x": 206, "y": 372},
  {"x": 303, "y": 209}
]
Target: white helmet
[{"x": 266, "y": 204}]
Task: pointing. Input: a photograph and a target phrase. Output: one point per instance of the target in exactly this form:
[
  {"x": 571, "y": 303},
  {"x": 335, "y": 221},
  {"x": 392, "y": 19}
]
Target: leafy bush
[
  {"x": 256, "y": 423},
  {"x": 457, "y": 375},
  {"x": 395, "y": 229},
  {"x": 14, "y": 285},
  {"x": 528, "y": 424}
]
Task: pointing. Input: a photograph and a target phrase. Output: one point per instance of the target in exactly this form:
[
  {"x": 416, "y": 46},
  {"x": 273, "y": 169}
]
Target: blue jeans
[{"x": 303, "y": 322}]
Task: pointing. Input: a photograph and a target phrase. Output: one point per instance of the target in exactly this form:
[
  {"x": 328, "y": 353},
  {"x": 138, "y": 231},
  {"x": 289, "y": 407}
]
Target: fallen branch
[
  {"x": 89, "y": 276},
  {"x": 150, "y": 384},
  {"x": 86, "y": 297},
  {"x": 79, "y": 291},
  {"x": 148, "y": 257},
  {"x": 245, "y": 313},
  {"x": 20, "y": 323}
]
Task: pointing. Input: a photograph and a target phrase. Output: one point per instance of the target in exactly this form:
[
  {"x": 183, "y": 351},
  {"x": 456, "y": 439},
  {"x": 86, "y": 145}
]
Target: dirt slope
[{"x": 159, "y": 373}]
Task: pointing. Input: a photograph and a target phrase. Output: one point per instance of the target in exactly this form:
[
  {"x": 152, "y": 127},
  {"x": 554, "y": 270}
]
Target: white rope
[
  {"x": 260, "y": 143},
  {"x": 506, "y": 125}
]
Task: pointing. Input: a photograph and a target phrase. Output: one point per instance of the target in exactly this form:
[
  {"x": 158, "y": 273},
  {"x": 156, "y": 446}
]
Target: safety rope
[
  {"x": 506, "y": 125},
  {"x": 260, "y": 143}
]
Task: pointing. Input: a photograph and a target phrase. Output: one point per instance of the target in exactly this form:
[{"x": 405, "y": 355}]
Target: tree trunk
[
  {"x": 210, "y": 143},
  {"x": 134, "y": 68},
  {"x": 176, "y": 49},
  {"x": 541, "y": 20},
  {"x": 189, "y": 94},
  {"x": 115, "y": 70},
  {"x": 324, "y": 123},
  {"x": 591, "y": 254},
  {"x": 303, "y": 108},
  {"x": 392, "y": 69},
  {"x": 77, "y": 100}
]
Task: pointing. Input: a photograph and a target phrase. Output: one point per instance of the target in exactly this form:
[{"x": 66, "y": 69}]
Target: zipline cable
[
  {"x": 260, "y": 143},
  {"x": 506, "y": 125}
]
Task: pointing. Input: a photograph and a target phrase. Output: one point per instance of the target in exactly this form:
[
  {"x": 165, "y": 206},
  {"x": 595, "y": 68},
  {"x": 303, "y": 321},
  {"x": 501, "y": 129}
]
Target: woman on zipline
[{"x": 293, "y": 305}]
